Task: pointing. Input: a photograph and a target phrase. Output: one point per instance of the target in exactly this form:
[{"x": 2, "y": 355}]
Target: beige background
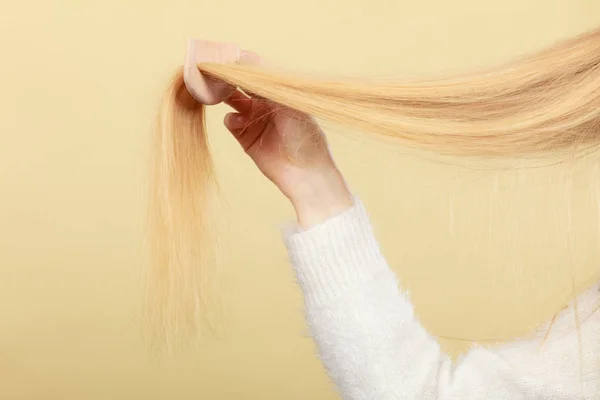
[{"x": 79, "y": 83}]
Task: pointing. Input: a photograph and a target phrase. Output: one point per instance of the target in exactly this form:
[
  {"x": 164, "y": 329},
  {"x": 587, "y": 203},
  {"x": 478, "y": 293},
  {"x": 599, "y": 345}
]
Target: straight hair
[{"x": 545, "y": 103}]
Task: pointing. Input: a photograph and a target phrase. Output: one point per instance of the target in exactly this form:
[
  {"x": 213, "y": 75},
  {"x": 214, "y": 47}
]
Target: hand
[{"x": 291, "y": 150}]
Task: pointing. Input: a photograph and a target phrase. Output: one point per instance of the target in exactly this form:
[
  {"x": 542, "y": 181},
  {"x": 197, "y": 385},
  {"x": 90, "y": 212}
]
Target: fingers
[
  {"x": 243, "y": 129},
  {"x": 251, "y": 120},
  {"x": 235, "y": 122},
  {"x": 239, "y": 102},
  {"x": 251, "y": 113},
  {"x": 246, "y": 105}
]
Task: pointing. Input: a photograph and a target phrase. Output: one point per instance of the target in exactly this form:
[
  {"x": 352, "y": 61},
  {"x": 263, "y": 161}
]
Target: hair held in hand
[{"x": 544, "y": 103}]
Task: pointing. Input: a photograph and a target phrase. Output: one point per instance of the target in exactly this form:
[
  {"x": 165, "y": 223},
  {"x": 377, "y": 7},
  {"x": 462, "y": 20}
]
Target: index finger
[{"x": 239, "y": 102}]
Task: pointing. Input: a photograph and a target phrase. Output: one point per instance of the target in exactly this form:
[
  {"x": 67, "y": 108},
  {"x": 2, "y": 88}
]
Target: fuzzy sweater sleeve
[{"x": 371, "y": 343}]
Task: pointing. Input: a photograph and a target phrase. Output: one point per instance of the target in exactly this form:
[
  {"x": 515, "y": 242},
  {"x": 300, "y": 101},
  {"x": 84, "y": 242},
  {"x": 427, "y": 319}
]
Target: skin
[{"x": 291, "y": 150}]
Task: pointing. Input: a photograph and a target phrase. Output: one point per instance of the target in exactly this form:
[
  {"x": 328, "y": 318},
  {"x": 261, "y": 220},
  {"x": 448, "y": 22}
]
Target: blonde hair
[{"x": 545, "y": 103}]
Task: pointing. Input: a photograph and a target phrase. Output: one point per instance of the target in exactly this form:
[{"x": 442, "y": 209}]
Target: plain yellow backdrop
[{"x": 486, "y": 255}]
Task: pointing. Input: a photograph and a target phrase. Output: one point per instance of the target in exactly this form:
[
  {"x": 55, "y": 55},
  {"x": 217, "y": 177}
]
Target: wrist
[{"x": 320, "y": 196}]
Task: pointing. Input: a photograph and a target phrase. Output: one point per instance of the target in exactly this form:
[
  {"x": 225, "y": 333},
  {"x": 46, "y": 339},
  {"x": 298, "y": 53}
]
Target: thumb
[
  {"x": 245, "y": 131},
  {"x": 235, "y": 122}
]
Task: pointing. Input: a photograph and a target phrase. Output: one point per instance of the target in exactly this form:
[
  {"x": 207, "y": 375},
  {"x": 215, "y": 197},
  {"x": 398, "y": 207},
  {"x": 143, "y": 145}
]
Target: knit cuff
[{"x": 335, "y": 257}]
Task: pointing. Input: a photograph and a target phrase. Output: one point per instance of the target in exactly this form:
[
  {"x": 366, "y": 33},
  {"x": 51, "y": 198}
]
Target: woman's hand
[{"x": 291, "y": 150}]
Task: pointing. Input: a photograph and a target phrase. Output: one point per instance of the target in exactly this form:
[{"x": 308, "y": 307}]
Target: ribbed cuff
[{"x": 336, "y": 256}]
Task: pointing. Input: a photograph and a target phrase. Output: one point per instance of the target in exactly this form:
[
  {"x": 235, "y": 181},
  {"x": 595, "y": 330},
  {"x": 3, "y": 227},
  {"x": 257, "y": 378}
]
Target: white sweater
[{"x": 373, "y": 346}]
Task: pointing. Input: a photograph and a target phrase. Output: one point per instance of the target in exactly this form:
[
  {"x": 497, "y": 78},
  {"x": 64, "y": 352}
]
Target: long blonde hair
[{"x": 545, "y": 103}]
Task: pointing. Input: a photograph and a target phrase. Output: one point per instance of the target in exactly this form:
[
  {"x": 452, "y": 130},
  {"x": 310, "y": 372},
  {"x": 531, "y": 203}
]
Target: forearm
[
  {"x": 368, "y": 336},
  {"x": 363, "y": 325},
  {"x": 319, "y": 196}
]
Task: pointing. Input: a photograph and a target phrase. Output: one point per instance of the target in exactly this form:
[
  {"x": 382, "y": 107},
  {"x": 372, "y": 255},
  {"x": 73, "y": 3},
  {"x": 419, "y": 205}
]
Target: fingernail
[{"x": 239, "y": 118}]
